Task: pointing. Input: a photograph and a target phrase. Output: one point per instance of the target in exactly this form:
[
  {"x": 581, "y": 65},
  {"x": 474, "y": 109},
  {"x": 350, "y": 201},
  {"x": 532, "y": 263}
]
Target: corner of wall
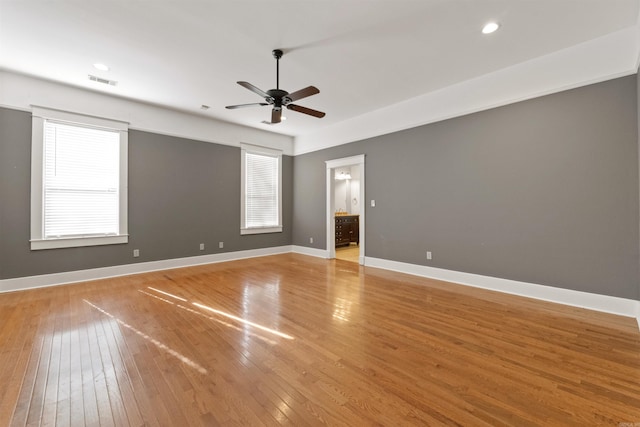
[
  {"x": 638, "y": 116},
  {"x": 304, "y": 250}
]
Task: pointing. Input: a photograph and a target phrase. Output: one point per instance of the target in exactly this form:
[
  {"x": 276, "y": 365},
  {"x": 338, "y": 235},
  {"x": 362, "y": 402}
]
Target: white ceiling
[{"x": 363, "y": 55}]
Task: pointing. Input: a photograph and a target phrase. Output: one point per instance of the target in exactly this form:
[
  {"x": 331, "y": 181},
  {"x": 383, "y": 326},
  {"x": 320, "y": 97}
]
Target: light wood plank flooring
[
  {"x": 348, "y": 253},
  {"x": 296, "y": 340}
]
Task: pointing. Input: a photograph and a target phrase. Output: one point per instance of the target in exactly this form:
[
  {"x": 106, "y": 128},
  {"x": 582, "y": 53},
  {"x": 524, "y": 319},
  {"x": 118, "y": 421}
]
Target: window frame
[
  {"x": 264, "y": 151},
  {"x": 39, "y": 116}
]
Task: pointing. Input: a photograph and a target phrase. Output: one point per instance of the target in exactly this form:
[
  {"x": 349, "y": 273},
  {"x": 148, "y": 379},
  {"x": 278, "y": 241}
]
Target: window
[
  {"x": 78, "y": 180},
  {"x": 261, "y": 210}
]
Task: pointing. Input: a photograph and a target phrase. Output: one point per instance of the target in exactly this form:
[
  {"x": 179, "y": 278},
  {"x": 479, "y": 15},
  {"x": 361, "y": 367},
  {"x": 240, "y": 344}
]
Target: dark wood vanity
[{"x": 347, "y": 229}]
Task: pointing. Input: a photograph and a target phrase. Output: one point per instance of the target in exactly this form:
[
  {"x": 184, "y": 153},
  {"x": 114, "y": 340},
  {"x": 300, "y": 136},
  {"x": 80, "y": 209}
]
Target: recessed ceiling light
[
  {"x": 101, "y": 67},
  {"x": 490, "y": 28}
]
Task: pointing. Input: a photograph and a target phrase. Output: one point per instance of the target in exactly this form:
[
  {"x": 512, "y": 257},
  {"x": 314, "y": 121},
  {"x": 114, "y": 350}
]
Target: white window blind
[
  {"x": 81, "y": 181},
  {"x": 261, "y": 198},
  {"x": 262, "y": 191}
]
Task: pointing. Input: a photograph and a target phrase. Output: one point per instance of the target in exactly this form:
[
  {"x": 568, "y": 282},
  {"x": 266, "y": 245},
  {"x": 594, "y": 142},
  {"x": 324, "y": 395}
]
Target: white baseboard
[
  {"x": 22, "y": 283},
  {"x": 319, "y": 253},
  {"x": 604, "y": 303}
]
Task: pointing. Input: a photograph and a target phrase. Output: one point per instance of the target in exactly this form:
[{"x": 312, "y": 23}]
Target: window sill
[
  {"x": 261, "y": 230},
  {"x": 74, "y": 242}
]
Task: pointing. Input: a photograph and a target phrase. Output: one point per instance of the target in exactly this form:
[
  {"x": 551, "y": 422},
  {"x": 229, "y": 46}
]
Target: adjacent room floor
[
  {"x": 292, "y": 339},
  {"x": 348, "y": 253}
]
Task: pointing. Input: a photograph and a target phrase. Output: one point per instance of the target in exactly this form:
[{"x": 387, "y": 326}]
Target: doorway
[{"x": 345, "y": 209}]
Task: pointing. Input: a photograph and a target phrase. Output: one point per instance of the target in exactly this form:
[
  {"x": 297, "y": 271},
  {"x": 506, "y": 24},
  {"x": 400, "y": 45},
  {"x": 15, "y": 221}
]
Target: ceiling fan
[{"x": 280, "y": 98}]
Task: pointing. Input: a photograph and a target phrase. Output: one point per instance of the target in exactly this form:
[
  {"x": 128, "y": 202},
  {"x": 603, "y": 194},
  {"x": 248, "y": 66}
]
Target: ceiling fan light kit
[{"x": 279, "y": 98}]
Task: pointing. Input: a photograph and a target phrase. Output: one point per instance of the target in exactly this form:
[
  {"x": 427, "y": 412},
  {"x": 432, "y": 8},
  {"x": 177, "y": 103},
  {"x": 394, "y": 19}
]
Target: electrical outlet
[
  {"x": 221, "y": 245},
  {"x": 429, "y": 255},
  {"x": 202, "y": 246},
  {"x": 310, "y": 239},
  {"x": 373, "y": 203},
  {"x": 136, "y": 253}
]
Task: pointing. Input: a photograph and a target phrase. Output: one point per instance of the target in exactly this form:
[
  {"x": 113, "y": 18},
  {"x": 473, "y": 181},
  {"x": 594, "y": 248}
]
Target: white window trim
[
  {"x": 40, "y": 114},
  {"x": 268, "y": 152}
]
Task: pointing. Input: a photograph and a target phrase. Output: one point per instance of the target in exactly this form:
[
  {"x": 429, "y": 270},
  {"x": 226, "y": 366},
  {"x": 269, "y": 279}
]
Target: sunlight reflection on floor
[
  {"x": 229, "y": 325},
  {"x": 154, "y": 341}
]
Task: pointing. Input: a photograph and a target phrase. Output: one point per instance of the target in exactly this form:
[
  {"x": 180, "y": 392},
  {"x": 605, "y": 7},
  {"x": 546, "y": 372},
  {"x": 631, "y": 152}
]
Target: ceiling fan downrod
[{"x": 277, "y": 53}]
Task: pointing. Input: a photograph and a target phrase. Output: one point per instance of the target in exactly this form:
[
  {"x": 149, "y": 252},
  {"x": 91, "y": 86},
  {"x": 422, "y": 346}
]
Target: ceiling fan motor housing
[{"x": 279, "y": 97}]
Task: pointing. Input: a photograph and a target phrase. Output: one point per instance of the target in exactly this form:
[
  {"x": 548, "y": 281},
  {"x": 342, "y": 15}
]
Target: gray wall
[
  {"x": 181, "y": 193},
  {"x": 543, "y": 191}
]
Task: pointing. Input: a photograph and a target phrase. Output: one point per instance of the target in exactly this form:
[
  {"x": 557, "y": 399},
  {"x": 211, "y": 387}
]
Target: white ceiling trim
[
  {"x": 21, "y": 92},
  {"x": 611, "y": 56}
]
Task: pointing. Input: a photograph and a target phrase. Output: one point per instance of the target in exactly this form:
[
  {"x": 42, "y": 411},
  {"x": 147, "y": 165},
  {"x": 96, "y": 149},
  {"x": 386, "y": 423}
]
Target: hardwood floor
[
  {"x": 348, "y": 253},
  {"x": 296, "y": 340}
]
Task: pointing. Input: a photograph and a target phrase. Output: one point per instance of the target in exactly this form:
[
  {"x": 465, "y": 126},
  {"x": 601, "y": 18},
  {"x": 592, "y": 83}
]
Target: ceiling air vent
[{"x": 101, "y": 80}]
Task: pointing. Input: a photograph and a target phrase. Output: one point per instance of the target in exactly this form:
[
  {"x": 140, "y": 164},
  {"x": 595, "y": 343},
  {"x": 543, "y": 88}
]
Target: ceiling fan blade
[
  {"x": 276, "y": 115},
  {"x": 233, "y": 107},
  {"x": 305, "y": 110},
  {"x": 254, "y": 89},
  {"x": 302, "y": 93}
]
